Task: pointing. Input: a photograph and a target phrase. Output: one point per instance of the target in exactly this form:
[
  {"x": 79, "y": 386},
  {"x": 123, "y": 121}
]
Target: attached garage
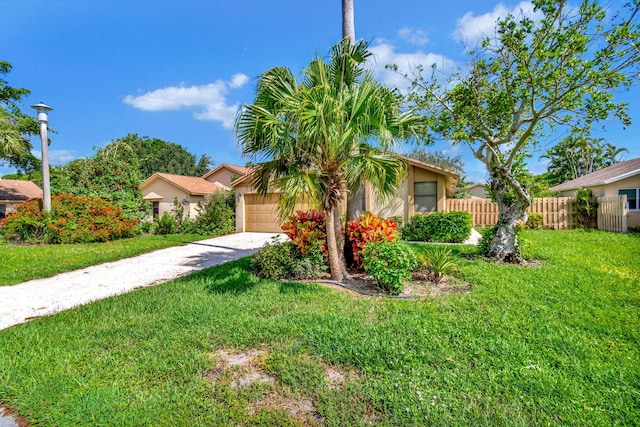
[{"x": 261, "y": 213}]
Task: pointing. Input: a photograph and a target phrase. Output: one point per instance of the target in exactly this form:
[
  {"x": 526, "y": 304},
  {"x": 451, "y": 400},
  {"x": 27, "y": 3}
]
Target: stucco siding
[{"x": 224, "y": 177}]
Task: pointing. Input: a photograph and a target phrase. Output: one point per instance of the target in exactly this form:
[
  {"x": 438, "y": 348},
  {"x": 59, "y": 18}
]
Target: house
[
  {"x": 161, "y": 189},
  {"x": 13, "y": 191},
  {"x": 425, "y": 189},
  {"x": 620, "y": 179},
  {"x": 225, "y": 174},
  {"x": 478, "y": 191}
]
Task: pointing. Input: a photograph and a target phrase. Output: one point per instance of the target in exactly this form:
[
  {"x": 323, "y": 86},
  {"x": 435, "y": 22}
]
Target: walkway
[{"x": 42, "y": 297}]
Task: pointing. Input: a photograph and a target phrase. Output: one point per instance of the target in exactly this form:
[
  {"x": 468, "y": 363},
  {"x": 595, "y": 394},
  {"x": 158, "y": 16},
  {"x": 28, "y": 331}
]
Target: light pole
[{"x": 43, "y": 119}]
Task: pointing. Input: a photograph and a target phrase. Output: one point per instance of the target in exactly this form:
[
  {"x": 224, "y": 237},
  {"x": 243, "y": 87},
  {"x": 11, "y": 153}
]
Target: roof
[
  {"x": 451, "y": 177},
  {"x": 477, "y": 184},
  {"x": 153, "y": 196},
  {"x": 191, "y": 184},
  {"x": 240, "y": 170},
  {"x": 604, "y": 176},
  {"x": 14, "y": 190}
]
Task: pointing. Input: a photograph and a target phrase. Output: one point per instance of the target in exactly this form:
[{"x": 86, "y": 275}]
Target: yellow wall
[
  {"x": 633, "y": 218},
  {"x": 224, "y": 177},
  {"x": 169, "y": 192}
]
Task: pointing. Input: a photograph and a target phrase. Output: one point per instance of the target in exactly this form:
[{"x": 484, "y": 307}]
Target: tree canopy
[
  {"x": 15, "y": 126},
  {"x": 116, "y": 170},
  {"x": 579, "y": 155},
  {"x": 561, "y": 66}
]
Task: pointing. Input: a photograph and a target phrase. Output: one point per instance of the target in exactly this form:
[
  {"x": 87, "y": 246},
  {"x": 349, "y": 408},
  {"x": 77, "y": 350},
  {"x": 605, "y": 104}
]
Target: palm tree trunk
[
  {"x": 335, "y": 265},
  {"x": 348, "y": 26}
]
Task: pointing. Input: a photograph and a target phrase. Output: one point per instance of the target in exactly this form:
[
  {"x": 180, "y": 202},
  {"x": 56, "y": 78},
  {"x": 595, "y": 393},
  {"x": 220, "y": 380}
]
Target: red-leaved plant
[
  {"x": 369, "y": 228},
  {"x": 307, "y": 231}
]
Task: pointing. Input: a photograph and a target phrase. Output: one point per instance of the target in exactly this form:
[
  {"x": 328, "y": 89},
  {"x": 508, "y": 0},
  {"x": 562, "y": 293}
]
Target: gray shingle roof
[{"x": 608, "y": 175}]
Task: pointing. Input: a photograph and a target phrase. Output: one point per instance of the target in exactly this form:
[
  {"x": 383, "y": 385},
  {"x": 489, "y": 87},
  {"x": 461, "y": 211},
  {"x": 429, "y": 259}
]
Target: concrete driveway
[{"x": 42, "y": 297}]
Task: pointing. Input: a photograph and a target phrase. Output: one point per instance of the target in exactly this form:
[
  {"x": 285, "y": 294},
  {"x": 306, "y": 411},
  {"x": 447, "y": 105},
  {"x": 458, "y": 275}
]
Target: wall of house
[
  {"x": 224, "y": 176},
  {"x": 421, "y": 175},
  {"x": 478, "y": 192},
  {"x": 169, "y": 192},
  {"x": 396, "y": 206},
  {"x": 633, "y": 218},
  {"x": 241, "y": 190}
]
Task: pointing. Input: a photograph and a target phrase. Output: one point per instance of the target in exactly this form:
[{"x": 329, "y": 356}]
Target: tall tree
[
  {"x": 533, "y": 75},
  {"x": 306, "y": 134},
  {"x": 579, "y": 155},
  {"x": 348, "y": 21},
  {"x": 15, "y": 126}
]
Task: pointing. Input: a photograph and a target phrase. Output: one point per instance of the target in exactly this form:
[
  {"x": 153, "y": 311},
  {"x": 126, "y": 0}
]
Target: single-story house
[
  {"x": 616, "y": 180},
  {"x": 14, "y": 191},
  {"x": 161, "y": 189},
  {"x": 225, "y": 174},
  {"x": 424, "y": 190},
  {"x": 478, "y": 191}
]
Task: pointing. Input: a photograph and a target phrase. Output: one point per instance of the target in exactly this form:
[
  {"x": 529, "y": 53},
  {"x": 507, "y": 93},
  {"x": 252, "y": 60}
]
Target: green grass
[
  {"x": 22, "y": 263},
  {"x": 557, "y": 344}
]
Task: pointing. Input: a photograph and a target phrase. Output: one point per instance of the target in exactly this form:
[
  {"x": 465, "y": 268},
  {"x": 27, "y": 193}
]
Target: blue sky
[{"x": 178, "y": 71}]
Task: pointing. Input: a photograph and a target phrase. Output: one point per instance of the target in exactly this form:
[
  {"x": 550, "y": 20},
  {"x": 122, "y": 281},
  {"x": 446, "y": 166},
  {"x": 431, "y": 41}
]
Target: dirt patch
[
  {"x": 420, "y": 286},
  {"x": 243, "y": 369},
  {"x": 11, "y": 418}
]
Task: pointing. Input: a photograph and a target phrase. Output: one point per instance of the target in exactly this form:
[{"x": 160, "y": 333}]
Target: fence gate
[{"x": 612, "y": 213}]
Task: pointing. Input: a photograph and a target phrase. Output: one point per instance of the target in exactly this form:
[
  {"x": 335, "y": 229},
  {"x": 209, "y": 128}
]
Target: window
[
  {"x": 425, "y": 196},
  {"x": 632, "y": 197},
  {"x": 156, "y": 208}
]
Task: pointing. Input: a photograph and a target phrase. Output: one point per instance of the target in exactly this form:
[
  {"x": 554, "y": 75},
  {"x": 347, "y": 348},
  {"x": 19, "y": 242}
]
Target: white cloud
[
  {"x": 56, "y": 157},
  {"x": 385, "y": 54},
  {"x": 417, "y": 37},
  {"x": 211, "y": 98},
  {"x": 471, "y": 29}
]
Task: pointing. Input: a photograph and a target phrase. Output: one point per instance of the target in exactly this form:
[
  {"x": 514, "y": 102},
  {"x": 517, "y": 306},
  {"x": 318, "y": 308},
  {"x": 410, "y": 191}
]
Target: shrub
[
  {"x": 438, "y": 262},
  {"x": 586, "y": 208},
  {"x": 278, "y": 261},
  {"x": 72, "y": 220},
  {"x": 534, "y": 222},
  {"x": 444, "y": 227},
  {"x": 165, "y": 224},
  {"x": 370, "y": 228},
  {"x": 390, "y": 263},
  {"x": 215, "y": 215},
  {"x": 308, "y": 232}
]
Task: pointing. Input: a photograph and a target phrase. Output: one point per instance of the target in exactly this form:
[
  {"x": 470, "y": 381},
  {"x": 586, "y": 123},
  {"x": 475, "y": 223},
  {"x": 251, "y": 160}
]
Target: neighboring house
[
  {"x": 225, "y": 174},
  {"x": 161, "y": 189},
  {"x": 425, "y": 189},
  {"x": 478, "y": 191},
  {"x": 616, "y": 180},
  {"x": 13, "y": 191}
]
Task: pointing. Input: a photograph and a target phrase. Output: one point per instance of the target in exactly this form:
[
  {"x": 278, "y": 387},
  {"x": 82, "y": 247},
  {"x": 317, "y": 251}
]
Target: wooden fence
[
  {"x": 556, "y": 211},
  {"x": 612, "y": 213}
]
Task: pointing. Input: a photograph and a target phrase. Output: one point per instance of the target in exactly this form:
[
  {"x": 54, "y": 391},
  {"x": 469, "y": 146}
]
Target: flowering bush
[
  {"x": 72, "y": 220},
  {"x": 370, "y": 228},
  {"x": 308, "y": 232}
]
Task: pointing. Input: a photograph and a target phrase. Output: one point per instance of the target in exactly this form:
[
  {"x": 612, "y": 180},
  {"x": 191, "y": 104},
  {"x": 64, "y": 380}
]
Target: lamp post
[{"x": 43, "y": 119}]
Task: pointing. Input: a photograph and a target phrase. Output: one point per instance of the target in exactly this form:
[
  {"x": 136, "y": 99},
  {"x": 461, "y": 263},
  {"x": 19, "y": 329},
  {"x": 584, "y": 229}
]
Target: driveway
[{"x": 42, "y": 297}]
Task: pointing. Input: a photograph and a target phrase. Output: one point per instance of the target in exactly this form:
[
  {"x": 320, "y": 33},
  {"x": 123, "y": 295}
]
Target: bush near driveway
[{"x": 72, "y": 219}]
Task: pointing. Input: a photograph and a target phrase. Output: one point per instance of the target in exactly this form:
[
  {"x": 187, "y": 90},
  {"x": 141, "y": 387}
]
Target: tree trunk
[
  {"x": 335, "y": 264},
  {"x": 513, "y": 201},
  {"x": 348, "y": 26}
]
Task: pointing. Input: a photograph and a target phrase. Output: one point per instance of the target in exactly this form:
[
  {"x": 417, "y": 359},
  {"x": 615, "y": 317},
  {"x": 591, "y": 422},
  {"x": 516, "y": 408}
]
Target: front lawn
[
  {"x": 554, "y": 344},
  {"x": 26, "y": 262}
]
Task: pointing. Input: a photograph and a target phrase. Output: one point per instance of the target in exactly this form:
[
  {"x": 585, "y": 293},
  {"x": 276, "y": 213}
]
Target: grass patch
[
  {"x": 555, "y": 344},
  {"x": 26, "y": 262}
]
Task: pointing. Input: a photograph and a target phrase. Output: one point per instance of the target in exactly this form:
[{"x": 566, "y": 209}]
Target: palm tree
[
  {"x": 306, "y": 134},
  {"x": 348, "y": 26}
]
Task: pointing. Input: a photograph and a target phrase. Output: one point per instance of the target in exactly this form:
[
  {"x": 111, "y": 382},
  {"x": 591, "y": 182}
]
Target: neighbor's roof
[
  {"x": 240, "y": 170},
  {"x": 190, "y": 184},
  {"x": 12, "y": 190},
  {"x": 604, "y": 176}
]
